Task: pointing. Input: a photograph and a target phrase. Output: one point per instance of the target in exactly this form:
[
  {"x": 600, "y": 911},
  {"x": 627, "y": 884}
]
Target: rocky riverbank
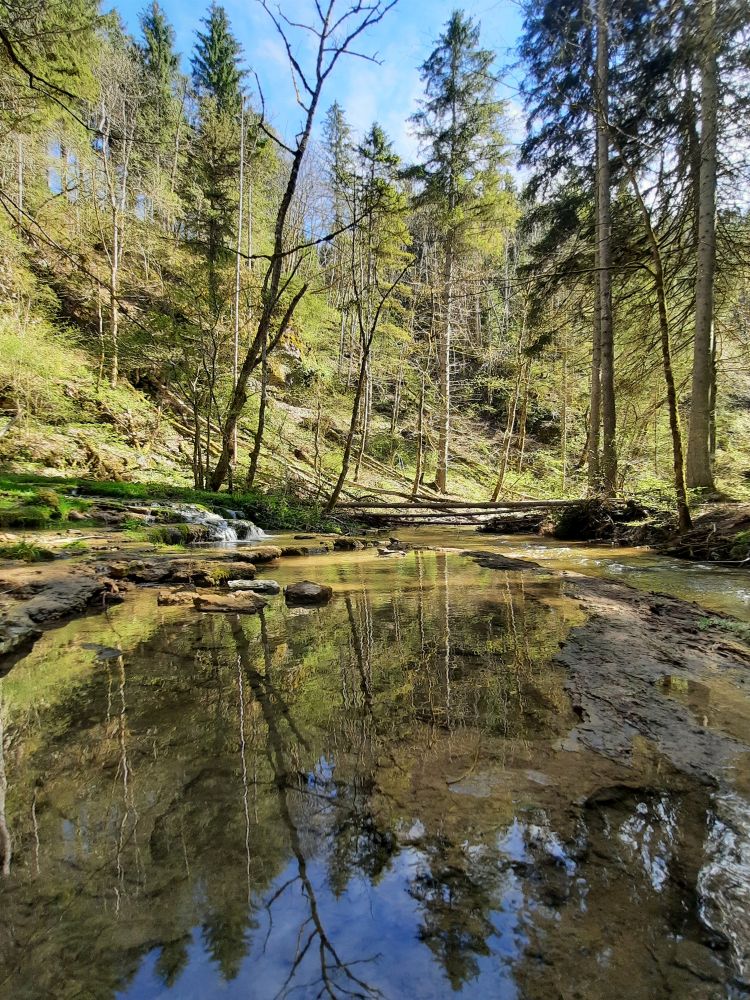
[{"x": 36, "y": 595}]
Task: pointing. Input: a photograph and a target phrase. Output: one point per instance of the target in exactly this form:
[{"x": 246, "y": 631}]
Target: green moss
[
  {"x": 77, "y": 548},
  {"x": 278, "y": 509},
  {"x": 177, "y": 534},
  {"x": 740, "y": 546},
  {"x": 32, "y": 516}
]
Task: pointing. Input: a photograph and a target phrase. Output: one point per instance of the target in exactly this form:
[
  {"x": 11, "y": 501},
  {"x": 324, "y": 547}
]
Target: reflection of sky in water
[
  {"x": 448, "y": 841},
  {"x": 374, "y": 930},
  {"x": 650, "y": 834},
  {"x": 724, "y": 881}
]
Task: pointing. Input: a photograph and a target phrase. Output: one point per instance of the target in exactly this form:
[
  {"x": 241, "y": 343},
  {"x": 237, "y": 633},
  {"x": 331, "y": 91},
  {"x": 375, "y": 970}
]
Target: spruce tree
[
  {"x": 216, "y": 71},
  {"x": 160, "y": 60},
  {"x": 337, "y": 148},
  {"x": 464, "y": 151},
  {"x": 161, "y": 112},
  {"x": 215, "y": 156}
]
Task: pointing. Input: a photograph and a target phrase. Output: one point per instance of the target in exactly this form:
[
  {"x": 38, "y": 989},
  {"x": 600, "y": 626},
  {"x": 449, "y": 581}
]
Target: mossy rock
[
  {"x": 31, "y": 516},
  {"x": 740, "y": 546},
  {"x": 48, "y": 498},
  {"x": 178, "y": 534}
]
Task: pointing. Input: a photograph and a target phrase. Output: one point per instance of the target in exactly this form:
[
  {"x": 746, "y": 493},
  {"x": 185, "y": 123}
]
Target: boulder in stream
[
  {"x": 307, "y": 593},
  {"x": 233, "y": 603},
  {"x": 264, "y": 553},
  {"x": 345, "y": 544},
  {"x": 209, "y": 572}
]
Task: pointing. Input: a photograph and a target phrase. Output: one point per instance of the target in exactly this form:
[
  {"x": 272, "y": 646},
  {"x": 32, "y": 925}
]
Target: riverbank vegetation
[{"x": 189, "y": 297}]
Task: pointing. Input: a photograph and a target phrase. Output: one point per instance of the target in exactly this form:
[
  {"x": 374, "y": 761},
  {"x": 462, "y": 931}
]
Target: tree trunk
[
  {"x": 699, "y": 472},
  {"x": 564, "y": 418},
  {"x": 444, "y": 361},
  {"x": 603, "y": 242},
  {"x": 523, "y": 416},
  {"x": 352, "y": 431},
  {"x": 678, "y": 461},
  {"x": 114, "y": 308},
  {"x": 595, "y": 401},
  {"x": 254, "y": 457},
  {"x": 365, "y": 420},
  {"x": 237, "y": 284},
  {"x": 420, "y": 443}
]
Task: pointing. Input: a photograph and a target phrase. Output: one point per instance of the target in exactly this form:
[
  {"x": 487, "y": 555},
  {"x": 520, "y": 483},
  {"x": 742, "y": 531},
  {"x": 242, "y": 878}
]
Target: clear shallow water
[
  {"x": 717, "y": 588},
  {"x": 370, "y": 799}
]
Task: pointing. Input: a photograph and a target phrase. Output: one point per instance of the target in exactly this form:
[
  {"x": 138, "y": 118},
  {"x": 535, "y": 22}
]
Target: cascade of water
[{"x": 218, "y": 528}]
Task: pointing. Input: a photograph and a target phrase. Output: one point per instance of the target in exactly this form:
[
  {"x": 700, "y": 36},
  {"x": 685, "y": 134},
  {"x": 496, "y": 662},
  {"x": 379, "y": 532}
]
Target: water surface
[{"x": 370, "y": 799}]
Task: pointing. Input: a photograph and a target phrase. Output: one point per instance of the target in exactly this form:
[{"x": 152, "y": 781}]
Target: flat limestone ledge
[{"x": 629, "y": 665}]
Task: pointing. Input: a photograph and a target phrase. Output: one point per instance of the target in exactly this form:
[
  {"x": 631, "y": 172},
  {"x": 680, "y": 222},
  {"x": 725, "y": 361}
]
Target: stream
[{"x": 377, "y": 798}]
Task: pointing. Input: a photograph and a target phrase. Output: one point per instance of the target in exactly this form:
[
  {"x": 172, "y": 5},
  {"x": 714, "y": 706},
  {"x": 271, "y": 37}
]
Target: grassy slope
[{"x": 73, "y": 424}]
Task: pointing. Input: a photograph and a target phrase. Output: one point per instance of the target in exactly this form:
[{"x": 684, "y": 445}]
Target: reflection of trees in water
[
  {"x": 456, "y": 903},
  {"x": 6, "y": 848},
  {"x": 336, "y": 976},
  {"x": 267, "y": 749}
]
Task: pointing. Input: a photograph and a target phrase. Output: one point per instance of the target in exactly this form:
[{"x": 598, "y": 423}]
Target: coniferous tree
[
  {"x": 464, "y": 151},
  {"x": 337, "y": 153},
  {"x": 216, "y": 70},
  {"x": 216, "y": 77},
  {"x": 163, "y": 111},
  {"x": 160, "y": 60}
]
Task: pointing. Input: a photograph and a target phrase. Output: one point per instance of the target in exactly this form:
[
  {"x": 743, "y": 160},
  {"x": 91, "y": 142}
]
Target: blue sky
[{"x": 387, "y": 93}]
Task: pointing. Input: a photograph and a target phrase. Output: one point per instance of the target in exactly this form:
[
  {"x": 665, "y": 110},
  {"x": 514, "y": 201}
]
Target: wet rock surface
[
  {"x": 257, "y": 586},
  {"x": 260, "y": 553},
  {"x": 173, "y": 598},
  {"x": 617, "y": 663},
  {"x": 232, "y": 603},
  {"x": 33, "y": 597},
  {"x": 307, "y": 593},
  {"x": 493, "y": 560}
]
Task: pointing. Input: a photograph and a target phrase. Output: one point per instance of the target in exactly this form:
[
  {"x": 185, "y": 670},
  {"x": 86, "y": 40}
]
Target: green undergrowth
[
  {"x": 279, "y": 509},
  {"x": 34, "y": 505},
  {"x": 741, "y": 630},
  {"x": 740, "y": 546},
  {"x": 26, "y": 551}
]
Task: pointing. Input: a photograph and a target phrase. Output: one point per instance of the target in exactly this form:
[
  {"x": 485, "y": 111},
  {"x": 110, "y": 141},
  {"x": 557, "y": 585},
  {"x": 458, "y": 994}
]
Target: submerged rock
[
  {"x": 307, "y": 592},
  {"x": 170, "y": 598},
  {"x": 348, "y": 544},
  {"x": 258, "y": 586},
  {"x": 264, "y": 553},
  {"x": 242, "y": 603},
  {"x": 493, "y": 560}
]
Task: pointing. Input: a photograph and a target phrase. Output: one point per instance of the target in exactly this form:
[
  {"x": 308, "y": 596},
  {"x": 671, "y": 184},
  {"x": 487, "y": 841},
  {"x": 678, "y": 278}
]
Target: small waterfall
[{"x": 217, "y": 528}]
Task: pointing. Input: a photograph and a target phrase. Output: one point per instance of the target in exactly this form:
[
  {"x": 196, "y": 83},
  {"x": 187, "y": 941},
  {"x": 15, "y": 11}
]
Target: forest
[
  {"x": 559, "y": 314},
  {"x": 375, "y": 500}
]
